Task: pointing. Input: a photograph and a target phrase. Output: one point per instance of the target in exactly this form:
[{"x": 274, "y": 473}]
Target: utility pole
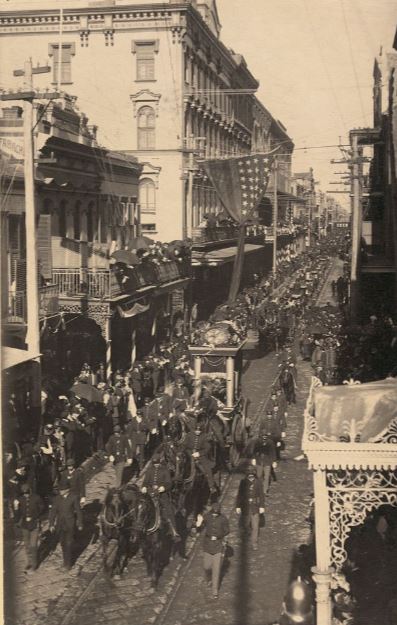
[
  {"x": 275, "y": 214},
  {"x": 28, "y": 95},
  {"x": 356, "y": 211}
]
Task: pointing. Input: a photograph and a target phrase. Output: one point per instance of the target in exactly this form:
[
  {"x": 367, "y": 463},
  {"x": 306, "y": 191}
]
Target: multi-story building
[
  {"x": 180, "y": 91},
  {"x": 86, "y": 204},
  {"x": 373, "y": 198}
]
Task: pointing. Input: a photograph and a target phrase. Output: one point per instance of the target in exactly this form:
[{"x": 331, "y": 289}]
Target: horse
[
  {"x": 154, "y": 538},
  {"x": 116, "y": 523}
]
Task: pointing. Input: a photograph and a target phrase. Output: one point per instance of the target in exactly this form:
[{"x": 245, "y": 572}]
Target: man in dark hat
[
  {"x": 263, "y": 452},
  {"x": 28, "y": 509},
  {"x": 180, "y": 395},
  {"x": 197, "y": 445},
  {"x": 119, "y": 452},
  {"x": 75, "y": 478},
  {"x": 250, "y": 503},
  {"x": 216, "y": 528},
  {"x": 64, "y": 514},
  {"x": 158, "y": 483},
  {"x": 136, "y": 432}
]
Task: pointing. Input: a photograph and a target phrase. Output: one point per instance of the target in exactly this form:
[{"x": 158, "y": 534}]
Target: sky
[{"x": 314, "y": 61}]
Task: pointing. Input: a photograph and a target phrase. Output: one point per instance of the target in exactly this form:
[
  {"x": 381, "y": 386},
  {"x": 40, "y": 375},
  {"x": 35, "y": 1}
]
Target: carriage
[{"x": 224, "y": 363}]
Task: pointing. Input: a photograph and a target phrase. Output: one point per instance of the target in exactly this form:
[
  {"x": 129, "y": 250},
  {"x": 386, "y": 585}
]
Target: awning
[
  {"x": 10, "y": 357},
  {"x": 284, "y": 195},
  {"x": 222, "y": 255},
  {"x": 181, "y": 283},
  {"x": 354, "y": 412}
]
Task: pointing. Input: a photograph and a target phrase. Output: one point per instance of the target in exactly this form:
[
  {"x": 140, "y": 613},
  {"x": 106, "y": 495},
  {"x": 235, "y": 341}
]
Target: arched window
[
  {"x": 146, "y": 128},
  {"x": 147, "y": 196}
]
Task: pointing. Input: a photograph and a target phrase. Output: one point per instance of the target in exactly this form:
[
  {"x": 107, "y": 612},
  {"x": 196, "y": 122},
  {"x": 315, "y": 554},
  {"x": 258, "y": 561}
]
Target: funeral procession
[{"x": 199, "y": 312}]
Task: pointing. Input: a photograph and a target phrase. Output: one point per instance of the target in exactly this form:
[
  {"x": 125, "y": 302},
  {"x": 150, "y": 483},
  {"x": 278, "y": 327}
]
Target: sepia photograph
[{"x": 198, "y": 312}]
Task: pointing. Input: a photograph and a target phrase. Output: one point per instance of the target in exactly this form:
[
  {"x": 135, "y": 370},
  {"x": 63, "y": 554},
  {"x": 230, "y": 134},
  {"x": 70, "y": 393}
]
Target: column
[
  {"x": 322, "y": 571},
  {"x": 197, "y": 377},
  {"x": 229, "y": 382},
  {"x": 83, "y": 247},
  {"x": 108, "y": 339}
]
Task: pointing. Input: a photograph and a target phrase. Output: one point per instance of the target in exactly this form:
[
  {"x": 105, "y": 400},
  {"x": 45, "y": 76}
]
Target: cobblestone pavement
[{"x": 253, "y": 585}]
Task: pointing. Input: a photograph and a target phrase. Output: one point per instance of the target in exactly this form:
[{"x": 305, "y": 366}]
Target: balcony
[
  {"x": 108, "y": 284},
  {"x": 75, "y": 282}
]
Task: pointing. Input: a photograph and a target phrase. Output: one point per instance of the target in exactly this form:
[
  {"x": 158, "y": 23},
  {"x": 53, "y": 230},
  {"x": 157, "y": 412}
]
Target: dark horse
[
  {"x": 117, "y": 524},
  {"x": 154, "y": 537}
]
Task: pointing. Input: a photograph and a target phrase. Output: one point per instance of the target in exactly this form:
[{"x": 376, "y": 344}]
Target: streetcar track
[{"x": 164, "y": 613}]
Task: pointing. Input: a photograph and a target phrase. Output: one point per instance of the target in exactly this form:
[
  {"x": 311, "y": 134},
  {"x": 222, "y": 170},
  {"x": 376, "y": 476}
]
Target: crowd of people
[{"x": 153, "y": 412}]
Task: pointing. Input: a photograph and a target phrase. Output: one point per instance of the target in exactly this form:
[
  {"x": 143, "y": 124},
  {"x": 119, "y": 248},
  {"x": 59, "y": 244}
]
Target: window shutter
[{"x": 44, "y": 245}]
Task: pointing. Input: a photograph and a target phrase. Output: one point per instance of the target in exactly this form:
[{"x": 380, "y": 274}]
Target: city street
[
  {"x": 198, "y": 312},
  {"x": 253, "y": 583}
]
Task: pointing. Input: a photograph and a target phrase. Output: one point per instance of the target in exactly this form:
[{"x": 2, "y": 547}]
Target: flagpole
[{"x": 275, "y": 217}]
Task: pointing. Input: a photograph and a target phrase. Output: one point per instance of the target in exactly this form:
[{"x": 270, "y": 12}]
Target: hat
[
  {"x": 70, "y": 462},
  {"x": 117, "y": 428}
]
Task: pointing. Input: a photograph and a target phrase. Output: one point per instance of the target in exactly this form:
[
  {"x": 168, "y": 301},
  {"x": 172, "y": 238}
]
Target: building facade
[
  {"x": 374, "y": 198},
  {"x": 173, "y": 102}
]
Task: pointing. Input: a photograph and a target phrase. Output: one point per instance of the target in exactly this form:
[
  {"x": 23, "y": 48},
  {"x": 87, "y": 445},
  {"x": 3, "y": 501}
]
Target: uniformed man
[
  {"x": 263, "y": 454},
  {"x": 271, "y": 424},
  {"x": 197, "y": 445},
  {"x": 119, "y": 452},
  {"x": 136, "y": 432},
  {"x": 250, "y": 503},
  {"x": 282, "y": 404},
  {"x": 180, "y": 396},
  {"x": 216, "y": 528},
  {"x": 75, "y": 479},
  {"x": 158, "y": 483},
  {"x": 28, "y": 510},
  {"x": 150, "y": 414},
  {"x": 64, "y": 514}
]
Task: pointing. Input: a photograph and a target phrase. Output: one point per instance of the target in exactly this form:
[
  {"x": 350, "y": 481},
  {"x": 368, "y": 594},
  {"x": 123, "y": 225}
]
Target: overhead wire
[
  {"x": 353, "y": 62},
  {"x": 325, "y": 66}
]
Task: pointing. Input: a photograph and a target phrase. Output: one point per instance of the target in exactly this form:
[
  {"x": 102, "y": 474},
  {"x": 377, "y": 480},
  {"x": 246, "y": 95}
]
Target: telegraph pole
[
  {"x": 275, "y": 215},
  {"x": 28, "y": 95}
]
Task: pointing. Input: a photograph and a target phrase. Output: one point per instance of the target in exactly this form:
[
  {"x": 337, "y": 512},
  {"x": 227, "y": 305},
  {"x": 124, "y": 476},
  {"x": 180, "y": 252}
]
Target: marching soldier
[
  {"x": 180, "y": 396},
  {"x": 250, "y": 503},
  {"x": 197, "y": 445},
  {"x": 136, "y": 433},
  {"x": 158, "y": 482},
  {"x": 216, "y": 528},
  {"x": 270, "y": 424},
  {"x": 119, "y": 453},
  {"x": 263, "y": 452}
]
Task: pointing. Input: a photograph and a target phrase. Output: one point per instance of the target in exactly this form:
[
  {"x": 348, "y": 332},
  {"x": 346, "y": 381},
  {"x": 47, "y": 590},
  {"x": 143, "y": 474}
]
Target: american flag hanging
[{"x": 240, "y": 182}]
